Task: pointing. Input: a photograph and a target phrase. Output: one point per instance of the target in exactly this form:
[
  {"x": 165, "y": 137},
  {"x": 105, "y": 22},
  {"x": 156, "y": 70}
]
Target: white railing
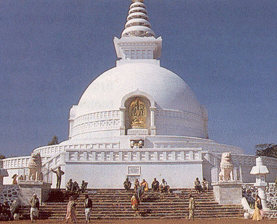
[
  {"x": 105, "y": 153},
  {"x": 16, "y": 162},
  {"x": 52, "y": 163},
  {"x": 119, "y": 156},
  {"x": 134, "y": 155},
  {"x": 207, "y": 146},
  {"x": 213, "y": 159},
  {"x": 238, "y": 160},
  {"x": 52, "y": 149}
]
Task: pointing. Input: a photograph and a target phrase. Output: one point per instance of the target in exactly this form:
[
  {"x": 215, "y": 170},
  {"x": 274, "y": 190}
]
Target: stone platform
[
  {"x": 28, "y": 188},
  {"x": 228, "y": 193}
]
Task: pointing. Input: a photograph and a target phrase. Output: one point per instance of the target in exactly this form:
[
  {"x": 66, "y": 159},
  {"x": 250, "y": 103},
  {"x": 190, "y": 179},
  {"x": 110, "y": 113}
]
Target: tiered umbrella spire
[{"x": 137, "y": 24}]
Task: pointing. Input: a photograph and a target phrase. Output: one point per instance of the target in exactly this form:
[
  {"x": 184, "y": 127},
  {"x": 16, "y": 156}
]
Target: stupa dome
[
  {"x": 137, "y": 97},
  {"x": 168, "y": 90},
  {"x": 175, "y": 107}
]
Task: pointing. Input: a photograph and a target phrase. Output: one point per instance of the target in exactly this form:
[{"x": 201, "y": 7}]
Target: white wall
[{"x": 180, "y": 175}]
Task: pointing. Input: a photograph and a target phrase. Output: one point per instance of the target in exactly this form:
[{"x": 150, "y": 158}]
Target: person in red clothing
[{"x": 135, "y": 204}]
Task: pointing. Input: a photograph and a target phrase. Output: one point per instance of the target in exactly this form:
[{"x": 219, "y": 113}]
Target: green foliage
[
  {"x": 269, "y": 150},
  {"x": 54, "y": 141}
]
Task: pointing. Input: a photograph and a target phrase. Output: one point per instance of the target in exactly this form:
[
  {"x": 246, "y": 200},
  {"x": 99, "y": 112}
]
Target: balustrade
[{"x": 134, "y": 155}]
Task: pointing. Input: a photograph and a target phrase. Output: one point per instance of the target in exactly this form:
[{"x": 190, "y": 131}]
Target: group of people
[
  {"x": 5, "y": 213},
  {"x": 140, "y": 188},
  {"x": 201, "y": 187},
  {"x": 70, "y": 209},
  {"x": 143, "y": 186},
  {"x": 9, "y": 212},
  {"x": 135, "y": 205},
  {"x": 73, "y": 187}
]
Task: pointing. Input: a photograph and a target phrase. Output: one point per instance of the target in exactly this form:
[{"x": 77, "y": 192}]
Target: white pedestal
[
  {"x": 28, "y": 188},
  {"x": 137, "y": 131},
  {"x": 227, "y": 193}
]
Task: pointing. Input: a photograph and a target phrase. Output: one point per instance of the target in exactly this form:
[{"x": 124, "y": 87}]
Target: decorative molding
[
  {"x": 136, "y": 155},
  {"x": 240, "y": 160},
  {"x": 137, "y": 131},
  {"x": 177, "y": 122},
  {"x": 98, "y": 121},
  {"x": 16, "y": 162},
  {"x": 98, "y": 125},
  {"x": 211, "y": 147},
  {"x": 138, "y": 93}
]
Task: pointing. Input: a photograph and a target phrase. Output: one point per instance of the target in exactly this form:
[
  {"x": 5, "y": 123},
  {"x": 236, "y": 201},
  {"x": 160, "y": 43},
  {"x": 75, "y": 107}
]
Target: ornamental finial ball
[{"x": 138, "y": 1}]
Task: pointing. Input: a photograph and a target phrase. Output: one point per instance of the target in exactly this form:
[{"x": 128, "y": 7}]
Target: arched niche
[{"x": 138, "y": 114}]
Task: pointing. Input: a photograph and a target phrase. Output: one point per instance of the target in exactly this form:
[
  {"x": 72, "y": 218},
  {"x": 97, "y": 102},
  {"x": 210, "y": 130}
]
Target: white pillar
[
  {"x": 122, "y": 120},
  {"x": 262, "y": 195},
  {"x": 152, "y": 120}
]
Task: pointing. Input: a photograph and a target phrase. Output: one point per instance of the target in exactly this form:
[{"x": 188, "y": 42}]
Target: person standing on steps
[
  {"x": 135, "y": 204},
  {"x": 70, "y": 210},
  {"x": 136, "y": 185},
  {"x": 59, "y": 174},
  {"x": 191, "y": 207},
  {"x": 88, "y": 208},
  {"x": 34, "y": 211}
]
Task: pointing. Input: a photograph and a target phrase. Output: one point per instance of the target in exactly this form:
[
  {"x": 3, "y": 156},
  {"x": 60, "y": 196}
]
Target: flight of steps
[{"x": 116, "y": 204}]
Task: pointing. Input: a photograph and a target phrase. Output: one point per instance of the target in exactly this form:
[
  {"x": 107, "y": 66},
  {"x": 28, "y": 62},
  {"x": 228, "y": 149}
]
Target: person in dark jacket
[{"x": 88, "y": 208}]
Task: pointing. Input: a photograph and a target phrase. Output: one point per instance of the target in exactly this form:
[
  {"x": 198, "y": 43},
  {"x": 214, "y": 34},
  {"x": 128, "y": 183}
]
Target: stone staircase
[{"x": 115, "y": 204}]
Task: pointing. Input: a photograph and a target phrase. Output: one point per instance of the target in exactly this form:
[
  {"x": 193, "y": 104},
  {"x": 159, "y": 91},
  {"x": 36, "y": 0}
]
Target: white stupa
[{"x": 136, "y": 120}]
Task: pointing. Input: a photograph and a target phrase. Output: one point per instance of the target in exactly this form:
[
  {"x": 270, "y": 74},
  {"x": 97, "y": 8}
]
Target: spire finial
[
  {"x": 137, "y": 39},
  {"x": 137, "y": 24}
]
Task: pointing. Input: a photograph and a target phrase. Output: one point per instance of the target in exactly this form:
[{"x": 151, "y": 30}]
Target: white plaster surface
[
  {"x": 227, "y": 193},
  {"x": 113, "y": 175}
]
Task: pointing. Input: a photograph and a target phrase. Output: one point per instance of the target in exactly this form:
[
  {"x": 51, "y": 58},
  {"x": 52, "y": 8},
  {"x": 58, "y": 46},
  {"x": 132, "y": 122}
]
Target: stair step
[{"x": 115, "y": 204}]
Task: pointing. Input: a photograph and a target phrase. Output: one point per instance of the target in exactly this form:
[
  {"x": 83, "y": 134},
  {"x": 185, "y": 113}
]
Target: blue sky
[{"x": 51, "y": 50}]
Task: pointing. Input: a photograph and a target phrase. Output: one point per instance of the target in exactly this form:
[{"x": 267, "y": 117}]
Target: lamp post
[{"x": 260, "y": 171}]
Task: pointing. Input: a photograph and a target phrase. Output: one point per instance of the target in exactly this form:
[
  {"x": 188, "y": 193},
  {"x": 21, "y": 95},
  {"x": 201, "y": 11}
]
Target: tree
[
  {"x": 2, "y": 156},
  {"x": 269, "y": 150},
  {"x": 54, "y": 141}
]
